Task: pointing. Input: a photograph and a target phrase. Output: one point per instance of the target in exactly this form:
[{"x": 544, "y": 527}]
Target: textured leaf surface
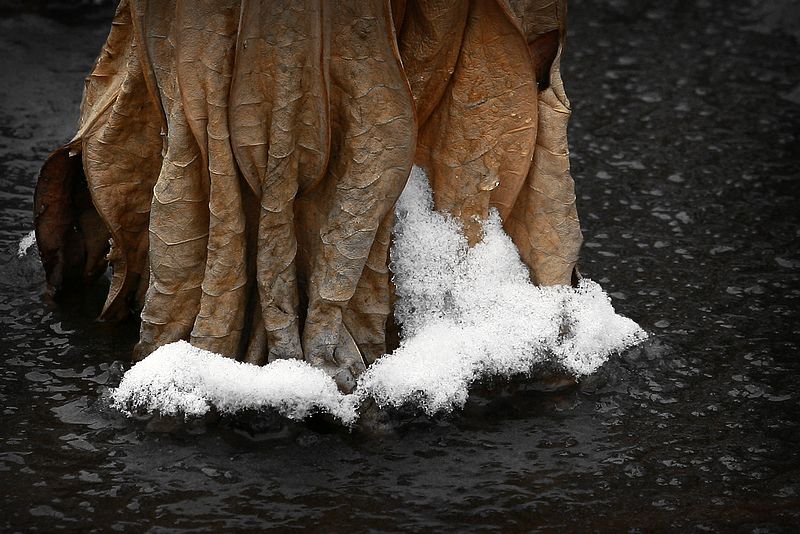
[
  {"x": 281, "y": 135},
  {"x": 373, "y": 133},
  {"x": 179, "y": 214},
  {"x": 478, "y": 142},
  {"x": 206, "y": 43},
  {"x": 72, "y": 239},
  {"x": 121, "y": 160},
  {"x": 544, "y": 221},
  {"x": 429, "y": 45},
  {"x": 119, "y": 142}
]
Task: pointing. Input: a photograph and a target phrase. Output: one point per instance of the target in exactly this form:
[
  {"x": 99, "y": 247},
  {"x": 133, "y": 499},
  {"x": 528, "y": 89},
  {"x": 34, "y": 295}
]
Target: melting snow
[
  {"x": 466, "y": 313},
  {"x": 181, "y": 379},
  {"x": 26, "y": 243}
]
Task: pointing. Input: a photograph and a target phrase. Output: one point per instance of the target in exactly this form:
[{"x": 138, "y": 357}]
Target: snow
[
  {"x": 465, "y": 313},
  {"x": 469, "y": 313},
  {"x": 26, "y": 243},
  {"x": 181, "y": 379}
]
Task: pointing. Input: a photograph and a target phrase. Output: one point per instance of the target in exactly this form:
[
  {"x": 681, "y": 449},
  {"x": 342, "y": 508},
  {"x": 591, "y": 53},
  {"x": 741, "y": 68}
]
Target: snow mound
[
  {"x": 465, "y": 313},
  {"x": 181, "y": 379},
  {"x": 470, "y": 313}
]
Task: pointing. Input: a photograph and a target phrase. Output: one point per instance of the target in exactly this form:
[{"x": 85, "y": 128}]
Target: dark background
[{"x": 685, "y": 153}]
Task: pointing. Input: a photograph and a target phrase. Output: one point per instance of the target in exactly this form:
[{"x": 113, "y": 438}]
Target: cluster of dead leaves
[{"x": 243, "y": 158}]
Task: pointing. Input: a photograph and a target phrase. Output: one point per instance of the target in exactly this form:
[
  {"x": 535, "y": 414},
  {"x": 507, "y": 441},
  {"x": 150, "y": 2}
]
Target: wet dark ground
[{"x": 685, "y": 152}]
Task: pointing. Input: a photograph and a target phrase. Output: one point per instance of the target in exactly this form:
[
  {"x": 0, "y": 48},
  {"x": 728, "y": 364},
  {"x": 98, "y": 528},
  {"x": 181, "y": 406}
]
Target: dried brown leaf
[
  {"x": 71, "y": 238},
  {"x": 429, "y": 44},
  {"x": 373, "y": 133},
  {"x": 544, "y": 222},
  {"x": 212, "y": 128},
  {"x": 205, "y": 44},
  {"x": 477, "y": 143},
  {"x": 119, "y": 141},
  {"x": 121, "y": 156},
  {"x": 179, "y": 218},
  {"x": 280, "y": 130}
]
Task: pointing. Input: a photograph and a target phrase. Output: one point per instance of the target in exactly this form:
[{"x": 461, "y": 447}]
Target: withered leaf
[
  {"x": 248, "y": 155},
  {"x": 280, "y": 130},
  {"x": 121, "y": 160},
  {"x": 72, "y": 239},
  {"x": 477, "y": 143},
  {"x": 429, "y": 43},
  {"x": 544, "y": 221},
  {"x": 179, "y": 218},
  {"x": 119, "y": 122},
  {"x": 373, "y": 133},
  {"x": 205, "y": 46}
]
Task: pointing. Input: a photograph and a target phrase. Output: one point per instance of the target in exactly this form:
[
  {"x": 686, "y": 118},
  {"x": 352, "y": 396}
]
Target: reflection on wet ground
[{"x": 685, "y": 152}]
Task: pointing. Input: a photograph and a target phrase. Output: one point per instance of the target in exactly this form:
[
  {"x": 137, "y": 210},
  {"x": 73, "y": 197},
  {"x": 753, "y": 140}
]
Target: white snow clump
[
  {"x": 469, "y": 313},
  {"x": 26, "y": 243},
  {"x": 181, "y": 379}
]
